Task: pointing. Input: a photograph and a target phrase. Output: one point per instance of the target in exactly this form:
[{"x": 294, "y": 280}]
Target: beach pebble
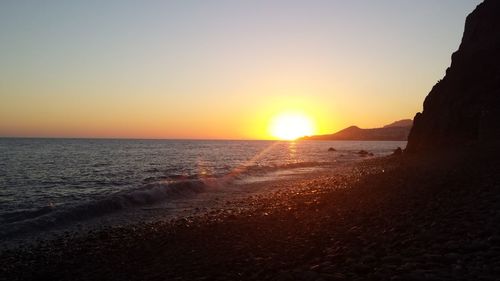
[
  {"x": 307, "y": 275},
  {"x": 395, "y": 260}
]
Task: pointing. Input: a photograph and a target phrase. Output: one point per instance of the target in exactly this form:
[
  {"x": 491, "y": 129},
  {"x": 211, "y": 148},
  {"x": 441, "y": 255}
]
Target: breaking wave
[
  {"x": 47, "y": 217},
  {"x": 154, "y": 190}
]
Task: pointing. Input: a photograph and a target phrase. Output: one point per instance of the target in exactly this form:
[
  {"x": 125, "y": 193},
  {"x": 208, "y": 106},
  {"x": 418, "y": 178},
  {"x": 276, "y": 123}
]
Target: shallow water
[{"x": 49, "y": 182}]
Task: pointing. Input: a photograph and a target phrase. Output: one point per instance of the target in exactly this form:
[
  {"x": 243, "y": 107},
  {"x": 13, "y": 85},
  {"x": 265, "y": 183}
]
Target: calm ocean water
[{"x": 53, "y": 181}]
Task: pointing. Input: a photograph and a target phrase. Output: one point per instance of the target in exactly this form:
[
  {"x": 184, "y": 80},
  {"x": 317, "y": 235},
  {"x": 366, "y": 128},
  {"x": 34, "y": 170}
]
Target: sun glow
[{"x": 290, "y": 126}]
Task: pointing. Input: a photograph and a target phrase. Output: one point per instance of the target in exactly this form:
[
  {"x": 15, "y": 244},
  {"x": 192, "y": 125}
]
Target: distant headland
[{"x": 396, "y": 131}]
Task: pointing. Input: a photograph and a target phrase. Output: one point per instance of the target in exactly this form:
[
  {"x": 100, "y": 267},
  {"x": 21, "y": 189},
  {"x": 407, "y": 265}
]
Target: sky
[{"x": 218, "y": 69}]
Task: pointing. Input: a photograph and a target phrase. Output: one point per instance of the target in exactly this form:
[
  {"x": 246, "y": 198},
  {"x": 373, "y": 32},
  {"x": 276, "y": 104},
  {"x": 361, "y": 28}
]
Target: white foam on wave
[{"x": 149, "y": 194}]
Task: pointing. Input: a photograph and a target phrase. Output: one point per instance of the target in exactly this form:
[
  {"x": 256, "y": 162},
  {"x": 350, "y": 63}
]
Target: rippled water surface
[{"x": 38, "y": 176}]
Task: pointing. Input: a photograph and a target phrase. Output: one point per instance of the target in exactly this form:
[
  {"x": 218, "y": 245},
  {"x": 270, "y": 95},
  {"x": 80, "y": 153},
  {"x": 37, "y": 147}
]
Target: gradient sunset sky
[{"x": 218, "y": 69}]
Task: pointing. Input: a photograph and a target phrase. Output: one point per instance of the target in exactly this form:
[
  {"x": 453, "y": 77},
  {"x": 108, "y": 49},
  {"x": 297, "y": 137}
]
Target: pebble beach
[{"x": 409, "y": 217}]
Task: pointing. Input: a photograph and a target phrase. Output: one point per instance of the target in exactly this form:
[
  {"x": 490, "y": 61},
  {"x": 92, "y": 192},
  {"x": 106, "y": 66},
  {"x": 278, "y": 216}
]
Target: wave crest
[{"x": 22, "y": 222}]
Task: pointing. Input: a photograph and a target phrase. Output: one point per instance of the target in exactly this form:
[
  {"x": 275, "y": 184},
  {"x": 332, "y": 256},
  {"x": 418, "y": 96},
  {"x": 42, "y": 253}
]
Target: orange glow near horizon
[
  {"x": 224, "y": 70},
  {"x": 290, "y": 126},
  {"x": 264, "y": 117}
]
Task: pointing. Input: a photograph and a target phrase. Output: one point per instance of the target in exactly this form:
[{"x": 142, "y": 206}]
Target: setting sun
[{"x": 290, "y": 126}]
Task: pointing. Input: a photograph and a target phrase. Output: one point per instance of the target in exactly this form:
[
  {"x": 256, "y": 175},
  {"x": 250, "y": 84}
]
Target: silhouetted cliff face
[{"x": 464, "y": 107}]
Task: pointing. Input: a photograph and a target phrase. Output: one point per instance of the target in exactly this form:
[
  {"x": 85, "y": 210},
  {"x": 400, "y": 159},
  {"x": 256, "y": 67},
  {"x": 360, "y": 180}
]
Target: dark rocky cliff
[{"x": 463, "y": 107}]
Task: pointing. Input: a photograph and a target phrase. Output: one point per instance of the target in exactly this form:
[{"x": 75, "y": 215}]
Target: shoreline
[
  {"x": 236, "y": 194},
  {"x": 392, "y": 218},
  {"x": 231, "y": 191},
  {"x": 42, "y": 196}
]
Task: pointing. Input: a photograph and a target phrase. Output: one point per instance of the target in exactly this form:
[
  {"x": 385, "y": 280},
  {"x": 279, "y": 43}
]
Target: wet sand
[{"x": 410, "y": 217}]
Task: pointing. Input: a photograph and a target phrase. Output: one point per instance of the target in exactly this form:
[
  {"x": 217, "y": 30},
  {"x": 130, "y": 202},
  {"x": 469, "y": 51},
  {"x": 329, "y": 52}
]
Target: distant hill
[
  {"x": 400, "y": 123},
  {"x": 397, "y": 131}
]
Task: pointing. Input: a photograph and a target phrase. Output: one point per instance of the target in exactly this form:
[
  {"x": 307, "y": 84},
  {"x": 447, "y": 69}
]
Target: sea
[{"x": 48, "y": 184}]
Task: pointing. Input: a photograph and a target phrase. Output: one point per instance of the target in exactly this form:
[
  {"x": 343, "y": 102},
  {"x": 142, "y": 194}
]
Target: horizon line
[
  {"x": 133, "y": 138},
  {"x": 165, "y": 139}
]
